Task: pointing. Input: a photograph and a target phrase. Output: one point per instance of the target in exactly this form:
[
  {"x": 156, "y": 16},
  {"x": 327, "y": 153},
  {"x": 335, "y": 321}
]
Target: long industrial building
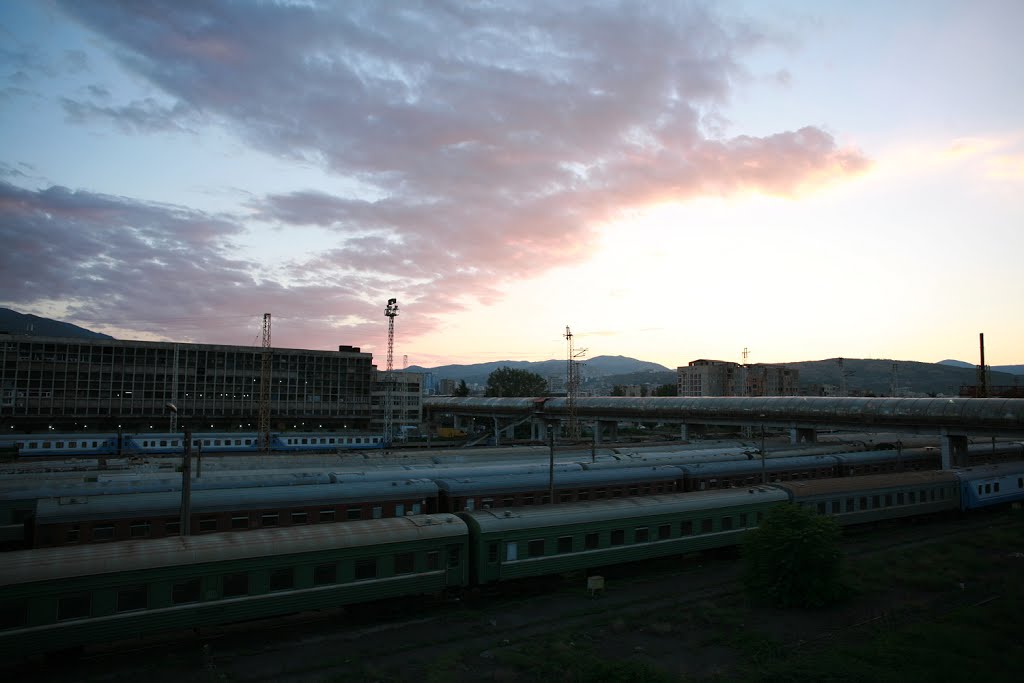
[{"x": 73, "y": 384}]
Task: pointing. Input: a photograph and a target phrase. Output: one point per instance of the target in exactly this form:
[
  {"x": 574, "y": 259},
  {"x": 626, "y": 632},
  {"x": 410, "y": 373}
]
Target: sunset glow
[{"x": 674, "y": 180}]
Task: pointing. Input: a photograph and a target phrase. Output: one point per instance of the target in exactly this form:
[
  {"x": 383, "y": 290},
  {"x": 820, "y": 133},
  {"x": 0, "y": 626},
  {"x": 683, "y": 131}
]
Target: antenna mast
[
  {"x": 745, "y": 372},
  {"x": 263, "y": 427},
  {"x": 572, "y": 383},
  {"x": 843, "y": 374},
  {"x": 390, "y": 311}
]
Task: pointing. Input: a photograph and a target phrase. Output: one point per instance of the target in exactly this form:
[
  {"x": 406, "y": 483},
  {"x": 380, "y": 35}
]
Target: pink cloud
[{"x": 496, "y": 138}]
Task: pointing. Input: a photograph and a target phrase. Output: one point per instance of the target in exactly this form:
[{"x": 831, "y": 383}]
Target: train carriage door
[{"x": 454, "y": 571}]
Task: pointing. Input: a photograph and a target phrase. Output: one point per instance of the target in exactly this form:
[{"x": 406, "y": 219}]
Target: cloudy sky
[{"x": 671, "y": 180}]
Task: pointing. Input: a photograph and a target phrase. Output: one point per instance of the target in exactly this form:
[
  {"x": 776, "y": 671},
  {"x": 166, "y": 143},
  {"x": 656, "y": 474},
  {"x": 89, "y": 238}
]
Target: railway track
[{"x": 315, "y": 646}]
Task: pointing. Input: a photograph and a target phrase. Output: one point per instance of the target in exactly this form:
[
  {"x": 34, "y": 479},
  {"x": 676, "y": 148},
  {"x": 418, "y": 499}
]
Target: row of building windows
[
  {"x": 993, "y": 487},
  {"x": 136, "y": 378},
  {"x": 592, "y": 540}
]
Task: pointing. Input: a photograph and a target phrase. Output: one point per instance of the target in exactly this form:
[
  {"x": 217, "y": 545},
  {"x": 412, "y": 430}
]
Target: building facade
[
  {"x": 705, "y": 377},
  {"x": 406, "y": 402},
  {"x": 70, "y": 384}
]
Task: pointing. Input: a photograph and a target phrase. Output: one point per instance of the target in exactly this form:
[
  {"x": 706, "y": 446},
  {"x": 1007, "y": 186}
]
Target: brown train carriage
[{"x": 96, "y": 519}]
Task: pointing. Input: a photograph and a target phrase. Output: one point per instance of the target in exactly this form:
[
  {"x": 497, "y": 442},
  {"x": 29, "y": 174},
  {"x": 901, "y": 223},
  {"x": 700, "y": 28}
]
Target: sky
[{"x": 666, "y": 180}]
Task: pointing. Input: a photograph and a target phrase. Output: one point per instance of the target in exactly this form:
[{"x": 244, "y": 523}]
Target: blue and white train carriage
[
  {"x": 989, "y": 485},
  {"x": 50, "y": 445}
]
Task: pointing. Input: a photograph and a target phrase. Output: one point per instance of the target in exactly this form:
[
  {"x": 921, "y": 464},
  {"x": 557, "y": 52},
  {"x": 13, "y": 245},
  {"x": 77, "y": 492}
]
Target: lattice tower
[
  {"x": 263, "y": 424},
  {"x": 572, "y": 384}
]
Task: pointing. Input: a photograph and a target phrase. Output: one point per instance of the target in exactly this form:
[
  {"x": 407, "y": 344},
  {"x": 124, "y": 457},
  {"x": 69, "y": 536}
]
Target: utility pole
[
  {"x": 391, "y": 311},
  {"x": 764, "y": 470},
  {"x": 551, "y": 463},
  {"x": 174, "y": 393},
  {"x": 403, "y": 405},
  {"x": 185, "y": 522},
  {"x": 263, "y": 426},
  {"x": 185, "y": 511}
]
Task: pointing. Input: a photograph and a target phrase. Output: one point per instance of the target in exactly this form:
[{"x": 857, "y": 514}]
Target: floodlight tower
[
  {"x": 263, "y": 426},
  {"x": 391, "y": 311}
]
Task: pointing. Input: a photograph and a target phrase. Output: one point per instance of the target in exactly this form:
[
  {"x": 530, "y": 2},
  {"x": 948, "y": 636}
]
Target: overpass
[{"x": 953, "y": 420}]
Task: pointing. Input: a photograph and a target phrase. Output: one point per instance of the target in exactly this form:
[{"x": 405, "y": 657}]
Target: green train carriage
[
  {"x": 61, "y": 598},
  {"x": 551, "y": 539}
]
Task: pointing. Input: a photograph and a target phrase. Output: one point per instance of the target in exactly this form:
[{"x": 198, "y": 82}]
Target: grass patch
[
  {"x": 968, "y": 643},
  {"x": 937, "y": 630},
  {"x": 563, "y": 660}
]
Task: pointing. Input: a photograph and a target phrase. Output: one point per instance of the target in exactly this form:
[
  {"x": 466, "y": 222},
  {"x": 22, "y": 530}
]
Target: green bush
[{"x": 793, "y": 559}]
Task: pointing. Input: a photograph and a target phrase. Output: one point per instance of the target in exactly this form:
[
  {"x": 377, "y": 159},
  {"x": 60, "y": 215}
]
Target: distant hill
[
  {"x": 875, "y": 376},
  {"x": 1012, "y": 369},
  {"x": 13, "y": 322},
  {"x": 594, "y": 368},
  {"x": 863, "y": 376}
]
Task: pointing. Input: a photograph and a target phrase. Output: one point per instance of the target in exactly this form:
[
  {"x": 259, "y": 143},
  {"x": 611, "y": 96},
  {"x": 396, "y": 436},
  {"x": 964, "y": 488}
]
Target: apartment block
[{"x": 706, "y": 377}]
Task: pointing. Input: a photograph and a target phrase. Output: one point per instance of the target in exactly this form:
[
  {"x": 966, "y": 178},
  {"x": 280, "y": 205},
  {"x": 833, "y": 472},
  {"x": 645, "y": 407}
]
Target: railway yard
[
  {"x": 475, "y": 574},
  {"x": 679, "y": 620}
]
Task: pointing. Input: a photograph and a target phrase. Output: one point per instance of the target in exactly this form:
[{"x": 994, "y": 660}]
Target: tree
[
  {"x": 462, "y": 389},
  {"x": 793, "y": 559},
  {"x": 665, "y": 390},
  {"x": 508, "y": 381}
]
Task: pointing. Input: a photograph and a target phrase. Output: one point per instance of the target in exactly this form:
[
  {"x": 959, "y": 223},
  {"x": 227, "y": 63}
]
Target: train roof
[
  {"x": 989, "y": 471},
  {"x": 866, "y": 484},
  {"x": 54, "y": 510},
  {"x": 448, "y": 472},
  {"x": 540, "y": 480},
  {"x": 629, "y": 510},
  {"x": 164, "y": 482},
  {"x": 888, "y": 455},
  {"x": 727, "y": 467},
  {"x": 709, "y": 453},
  {"x": 48, "y": 564}
]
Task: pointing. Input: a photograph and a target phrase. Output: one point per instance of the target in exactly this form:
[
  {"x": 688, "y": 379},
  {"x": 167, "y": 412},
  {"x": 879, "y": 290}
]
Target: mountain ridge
[
  {"x": 13, "y": 322},
  {"x": 601, "y": 373}
]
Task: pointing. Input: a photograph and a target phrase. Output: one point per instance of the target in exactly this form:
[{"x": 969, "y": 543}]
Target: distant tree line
[
  {"x": 510, "y": 382},
  {"x": 660, "y": 390}
]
